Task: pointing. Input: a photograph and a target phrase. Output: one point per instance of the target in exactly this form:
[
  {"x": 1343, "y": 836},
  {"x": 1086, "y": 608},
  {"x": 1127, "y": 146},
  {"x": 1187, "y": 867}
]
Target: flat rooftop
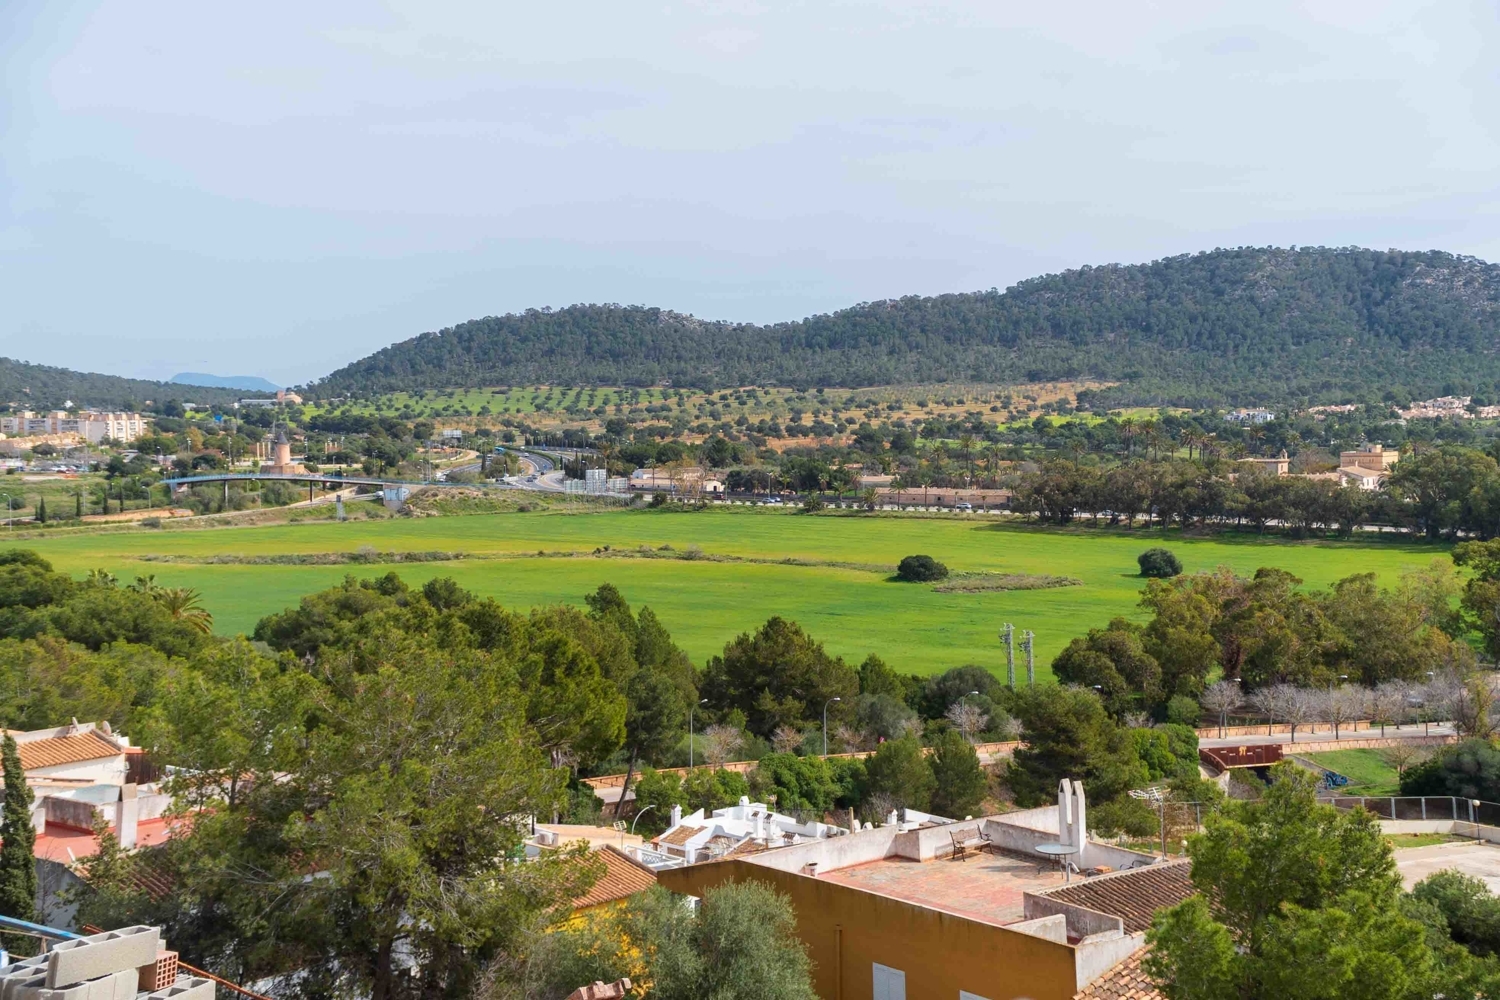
[
  {"x": 987, "y": 887},
  {"x": 1481, "y": 861}
]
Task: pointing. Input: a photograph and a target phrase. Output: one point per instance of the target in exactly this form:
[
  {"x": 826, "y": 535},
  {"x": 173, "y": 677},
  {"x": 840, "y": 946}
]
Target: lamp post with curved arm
[
  {"x": 830, "y": 701},
  {"x": 638, "y": 817}
]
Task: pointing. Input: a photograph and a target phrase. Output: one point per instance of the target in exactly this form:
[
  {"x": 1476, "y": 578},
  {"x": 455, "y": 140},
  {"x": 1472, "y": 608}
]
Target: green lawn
[
  {"x": 706, "y": 603},
  {"x": 1367, "y": 771}
]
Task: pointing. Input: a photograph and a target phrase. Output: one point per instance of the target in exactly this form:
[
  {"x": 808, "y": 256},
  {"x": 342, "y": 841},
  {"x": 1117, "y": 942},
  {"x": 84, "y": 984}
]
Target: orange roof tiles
[
  {"x": 679, "y": 836},
  {"x": 1126, "y": 981},
  {"x": 1135, "y": 895},
  {"x": 55, "y": 750},
  {"x": 623, "y": 876},
  {"x": 66, "y": 845}
]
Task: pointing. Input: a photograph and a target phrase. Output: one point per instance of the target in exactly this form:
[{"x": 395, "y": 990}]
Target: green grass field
[
  {"x": 706, "y": 603},
  {"x": 1367, "y": 771}
]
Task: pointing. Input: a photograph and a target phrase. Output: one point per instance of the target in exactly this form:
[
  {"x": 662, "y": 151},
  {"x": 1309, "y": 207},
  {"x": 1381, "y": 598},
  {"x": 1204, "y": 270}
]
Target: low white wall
[
  {"x": 1458, "y": 828},
  {"x": 1025, "y": 839},
  {"x": 835, "y": 852},
  {"x": 1052, "y": 928},
  {"x": 1042, "y": 818},
  {"x": 1081, "y": 920},
  {"x": 1093, "y": 958},
  {"x": 934, "y": 841}
]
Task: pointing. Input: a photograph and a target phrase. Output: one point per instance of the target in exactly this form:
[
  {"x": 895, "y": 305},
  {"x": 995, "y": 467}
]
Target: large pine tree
[{"x": 17, "y": 840}]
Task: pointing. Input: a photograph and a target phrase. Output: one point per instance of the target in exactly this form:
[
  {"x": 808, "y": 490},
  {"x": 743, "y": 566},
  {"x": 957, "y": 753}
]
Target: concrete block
[
  {"x": 186, "y": 988},
  {"x": 11, "y": 987},
  {"x": 115, "y": 986},
  {"x": 98, "y": 955}
]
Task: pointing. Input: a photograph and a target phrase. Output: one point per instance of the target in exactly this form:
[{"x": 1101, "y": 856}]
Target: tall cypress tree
[
  {"x": 41, "y": 510},
  {"x": 17, "y": 840}
]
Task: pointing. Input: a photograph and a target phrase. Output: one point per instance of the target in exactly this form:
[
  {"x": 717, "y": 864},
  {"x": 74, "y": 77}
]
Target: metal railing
[{"x": 1421, "y": 807}]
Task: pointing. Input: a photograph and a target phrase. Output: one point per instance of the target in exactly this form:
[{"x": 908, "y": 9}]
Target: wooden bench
[{"x": 963, "y": 843}]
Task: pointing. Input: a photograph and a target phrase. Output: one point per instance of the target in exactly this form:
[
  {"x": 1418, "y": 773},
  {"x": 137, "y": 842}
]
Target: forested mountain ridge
[
  {"x": 43, "y": 387},
  {"x": 1225, "y": 326}
]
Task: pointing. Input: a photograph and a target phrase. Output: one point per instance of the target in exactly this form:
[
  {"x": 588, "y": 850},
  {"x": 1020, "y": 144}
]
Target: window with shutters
[{"x": 890, "y": 984}]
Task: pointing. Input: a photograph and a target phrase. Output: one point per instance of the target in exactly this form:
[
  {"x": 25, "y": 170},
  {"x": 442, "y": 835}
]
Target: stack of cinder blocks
[{"x": 104, "y": 966}]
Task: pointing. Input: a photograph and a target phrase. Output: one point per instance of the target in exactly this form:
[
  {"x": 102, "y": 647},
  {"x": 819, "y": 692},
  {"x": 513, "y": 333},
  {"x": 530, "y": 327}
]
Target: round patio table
[{"x": 1060, "y": 852}]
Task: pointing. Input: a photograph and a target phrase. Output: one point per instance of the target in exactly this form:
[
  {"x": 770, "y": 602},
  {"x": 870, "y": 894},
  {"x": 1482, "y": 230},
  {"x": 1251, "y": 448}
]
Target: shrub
[
  {"x": 1158, "y": 562},
  {"x": 811, "y": 505},
  {"x": 1129, "y": 816},
  {"x": 658, "y": 499},
  {"x": 921, "y": 569},
  {"x": 1183, "y": 711},
  {"x": 151, "y": 522}
]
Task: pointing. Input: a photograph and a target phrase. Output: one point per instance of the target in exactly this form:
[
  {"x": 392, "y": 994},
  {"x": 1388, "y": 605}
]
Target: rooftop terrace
[{"x": 986, "y": 887}]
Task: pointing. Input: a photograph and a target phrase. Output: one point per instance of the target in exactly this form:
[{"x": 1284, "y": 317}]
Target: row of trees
[{"x": 1265, "y": 631}]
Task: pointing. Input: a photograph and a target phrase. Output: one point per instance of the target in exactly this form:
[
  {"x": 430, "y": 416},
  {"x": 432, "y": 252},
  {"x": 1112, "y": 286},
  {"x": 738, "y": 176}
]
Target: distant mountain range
[
  {"x": 1249, "y": 325},
  {"x": 42, "y": 387},
  {"x": 250, "y": 383},
  {"x": 1225, "y": 327}
]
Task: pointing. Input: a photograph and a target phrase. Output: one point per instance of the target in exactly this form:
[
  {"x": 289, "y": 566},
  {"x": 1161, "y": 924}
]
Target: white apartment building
[{"x": 91, "y": 425}]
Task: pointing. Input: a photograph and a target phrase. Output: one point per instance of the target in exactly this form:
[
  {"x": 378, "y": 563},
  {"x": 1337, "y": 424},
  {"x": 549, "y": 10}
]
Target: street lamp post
[
  {"x": 830, "y": 701},
  {"x": 1426, "y": 716},
  {"x": 701, "y": 701},
  {"x": 638, "y": 817}
]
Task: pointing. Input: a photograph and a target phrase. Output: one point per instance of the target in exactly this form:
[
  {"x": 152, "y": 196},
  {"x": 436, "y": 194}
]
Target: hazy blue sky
[{"x": 279, "y": 188}]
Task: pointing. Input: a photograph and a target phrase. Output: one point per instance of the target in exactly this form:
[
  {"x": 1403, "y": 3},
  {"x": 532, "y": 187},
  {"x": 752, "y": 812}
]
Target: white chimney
[{"x": 677, "y": 815}]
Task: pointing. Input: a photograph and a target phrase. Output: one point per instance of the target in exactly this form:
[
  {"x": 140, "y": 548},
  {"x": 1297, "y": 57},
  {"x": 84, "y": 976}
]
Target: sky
[{"x": 280, "y": 188}]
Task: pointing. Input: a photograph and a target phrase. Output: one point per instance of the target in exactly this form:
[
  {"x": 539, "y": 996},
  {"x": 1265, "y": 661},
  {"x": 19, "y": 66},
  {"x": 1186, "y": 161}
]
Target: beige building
[
  {"x": 1374, "y": 457},
  {"x": 963, "y": 911},
  {"x": 1278, "y": 466},
  {"x": 92, "y": 426},
  {"x": 1367, "y": 467}
]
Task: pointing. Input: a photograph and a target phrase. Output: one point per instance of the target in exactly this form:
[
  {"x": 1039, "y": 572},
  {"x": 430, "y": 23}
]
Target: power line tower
[
  {"x": 1008, "y": 636},
  {"x": 1026, "y": 644}
]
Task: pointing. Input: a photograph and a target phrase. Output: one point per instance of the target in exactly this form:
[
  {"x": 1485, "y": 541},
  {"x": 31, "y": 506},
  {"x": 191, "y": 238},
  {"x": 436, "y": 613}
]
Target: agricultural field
[
  {"x": 553, "y": 407},
  {"x": 713, "y": 574}
]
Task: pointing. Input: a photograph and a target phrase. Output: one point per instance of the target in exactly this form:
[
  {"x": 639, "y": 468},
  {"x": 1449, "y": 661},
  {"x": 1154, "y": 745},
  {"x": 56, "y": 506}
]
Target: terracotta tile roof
[
  {"x": 679, "y": 836},
  {"x": 1134, "y": 895},
  {"x": 1126, "y": 981},
  {"x": 623, "y": 876},
  {"x": 56, "y": 750},
  {"x": 746, "y": 846}
]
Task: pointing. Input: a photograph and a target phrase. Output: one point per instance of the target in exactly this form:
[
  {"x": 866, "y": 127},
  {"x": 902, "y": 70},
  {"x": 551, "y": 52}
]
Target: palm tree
[
  {"x": 966, "y": 449},
  {"x": 182, "y": 604},
  {"x": 1127, "y": 429}
]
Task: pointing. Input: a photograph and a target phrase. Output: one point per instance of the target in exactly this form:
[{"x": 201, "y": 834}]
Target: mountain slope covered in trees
[
  {"x": 1227, "y": 326},
  {"x": 42, "y": 387}
]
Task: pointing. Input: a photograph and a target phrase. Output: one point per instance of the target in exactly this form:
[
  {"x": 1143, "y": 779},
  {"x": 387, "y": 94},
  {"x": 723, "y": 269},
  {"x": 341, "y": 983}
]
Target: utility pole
[
  {"x": 1026, "y": 638},
  {"x": 1008, "y": 636}
]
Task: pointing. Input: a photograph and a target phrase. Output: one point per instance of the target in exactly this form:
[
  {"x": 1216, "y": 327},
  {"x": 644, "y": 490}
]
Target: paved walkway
[
  {"x": 1479, "y": 860},
  {"x": 1324, "y": 734}
]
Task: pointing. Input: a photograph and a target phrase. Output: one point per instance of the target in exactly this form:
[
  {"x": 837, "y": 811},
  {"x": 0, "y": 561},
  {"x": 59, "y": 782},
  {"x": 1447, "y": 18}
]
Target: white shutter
[{"x": 890, "y": 984}]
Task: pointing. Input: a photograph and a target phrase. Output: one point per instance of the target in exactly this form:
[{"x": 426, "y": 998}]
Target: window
[{"x": 890, "y": 984}]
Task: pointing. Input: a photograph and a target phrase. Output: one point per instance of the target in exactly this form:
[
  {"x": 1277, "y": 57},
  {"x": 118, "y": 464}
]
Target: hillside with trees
[
  {"x": 1227, "y": 326},
  {"x": 42, "y": 387}
]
